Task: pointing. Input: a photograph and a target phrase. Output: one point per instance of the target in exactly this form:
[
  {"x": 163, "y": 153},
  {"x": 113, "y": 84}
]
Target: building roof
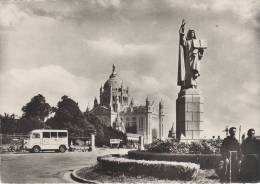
[{"x": 114, "y": 80}]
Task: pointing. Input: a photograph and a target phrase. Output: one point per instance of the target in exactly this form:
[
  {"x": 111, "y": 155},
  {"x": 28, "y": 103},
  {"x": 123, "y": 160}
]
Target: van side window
[
  {"x": 53, "y": 134},
  {"x": 46, "y": 134},
  {"x": 35, "y": 135},
  {"x": 62, "y": 134}
]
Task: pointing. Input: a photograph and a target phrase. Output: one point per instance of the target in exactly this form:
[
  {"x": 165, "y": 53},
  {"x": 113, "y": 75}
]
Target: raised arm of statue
[
  {"x": 182, "y": 33},
  {"x": 181, "y": 58}
]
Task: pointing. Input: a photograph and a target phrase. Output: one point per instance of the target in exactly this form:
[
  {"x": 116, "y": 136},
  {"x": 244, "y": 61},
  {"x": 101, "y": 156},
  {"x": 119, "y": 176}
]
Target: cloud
[
  {"x": 18, "y": 86},
  {"x": 147, "y": 84},
  {"x": 250, "y": 95},
  {"x": 112, "y": 47},
  {"x": 108, "y": 3},
  {"x": 252, "y": 87},
  {"x": 245, "y": 10},
  {"x": 10, "y": 15}
]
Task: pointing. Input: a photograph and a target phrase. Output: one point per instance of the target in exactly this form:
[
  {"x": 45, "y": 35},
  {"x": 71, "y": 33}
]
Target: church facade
[{"x": 116, "y": 108}]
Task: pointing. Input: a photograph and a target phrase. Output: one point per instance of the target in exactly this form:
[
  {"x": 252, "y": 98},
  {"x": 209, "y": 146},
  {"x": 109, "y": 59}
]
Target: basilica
[{"x": 116, "y": 108}]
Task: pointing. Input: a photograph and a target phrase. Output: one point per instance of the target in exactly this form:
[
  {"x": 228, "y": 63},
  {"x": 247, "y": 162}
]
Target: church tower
[
  {"x": 161, "y": 118},
  {"x": 148, "y": 106}
]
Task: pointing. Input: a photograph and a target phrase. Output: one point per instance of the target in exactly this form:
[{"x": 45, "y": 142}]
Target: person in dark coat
[
  {"x": 250, "y": 167},
  {"x": 231, "y": 154}
]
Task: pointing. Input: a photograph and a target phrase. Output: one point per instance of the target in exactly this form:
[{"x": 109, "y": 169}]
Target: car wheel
[
  {"x": 62, "y": 149},
  {"x": 36, "y": 149}
]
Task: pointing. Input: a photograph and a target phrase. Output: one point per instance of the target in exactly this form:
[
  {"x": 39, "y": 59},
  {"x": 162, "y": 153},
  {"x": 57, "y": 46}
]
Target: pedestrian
[
  {"x": 250, "y": 167},
  {"x": 230, "y": 151}
]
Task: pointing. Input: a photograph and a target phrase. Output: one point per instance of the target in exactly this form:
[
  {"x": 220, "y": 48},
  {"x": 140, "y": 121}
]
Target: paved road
[{"x": 47, "y": 167}]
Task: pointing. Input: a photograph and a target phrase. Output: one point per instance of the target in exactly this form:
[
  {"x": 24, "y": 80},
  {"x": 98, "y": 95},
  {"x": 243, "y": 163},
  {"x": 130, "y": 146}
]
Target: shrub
[
  {"x": 199, "y": 147},
  {"x": 195, "y": 148},
  {"x": 206, "y": 161},
  {"x": 159, "y": 169}
]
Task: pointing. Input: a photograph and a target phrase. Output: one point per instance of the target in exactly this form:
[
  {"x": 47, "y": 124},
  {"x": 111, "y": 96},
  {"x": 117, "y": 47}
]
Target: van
[{"x": 43, "y": 139}]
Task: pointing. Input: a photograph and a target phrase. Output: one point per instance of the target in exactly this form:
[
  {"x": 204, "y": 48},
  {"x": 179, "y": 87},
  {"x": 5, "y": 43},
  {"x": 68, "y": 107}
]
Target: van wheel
[
  {"x": 62, "y": 149},
  {"x": 36, "y": 149}
]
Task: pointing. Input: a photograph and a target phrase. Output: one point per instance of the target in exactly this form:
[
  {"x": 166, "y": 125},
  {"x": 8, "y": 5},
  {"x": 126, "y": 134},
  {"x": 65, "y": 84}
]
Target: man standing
[
  {"x": 230, "y": 151},
  {"x": 250, "y": 167}
]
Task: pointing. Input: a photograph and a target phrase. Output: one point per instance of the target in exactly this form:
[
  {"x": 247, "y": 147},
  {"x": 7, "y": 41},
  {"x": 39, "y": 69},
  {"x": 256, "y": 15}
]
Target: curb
[{"x": 77, "y": 178}]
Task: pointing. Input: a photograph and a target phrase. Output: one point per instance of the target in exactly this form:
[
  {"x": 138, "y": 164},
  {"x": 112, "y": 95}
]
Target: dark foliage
[
  {"x": 36, "y": 108},
  {"x": 104, "y": 133},
  {"x": 34, "y": 113},
  {"x": 171, "y": 146},
  {"x": 68, "y": 116},
  {"x": 25, "y": 125},
  {"x": 8, "y": 123}
]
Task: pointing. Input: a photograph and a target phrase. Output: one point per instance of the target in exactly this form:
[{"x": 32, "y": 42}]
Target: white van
[{"x": 43, "y": 139}]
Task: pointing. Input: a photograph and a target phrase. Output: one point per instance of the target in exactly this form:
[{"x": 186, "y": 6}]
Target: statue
[
  {"x": 113, "y": 68},
  {"x": 191, "y": 51}
]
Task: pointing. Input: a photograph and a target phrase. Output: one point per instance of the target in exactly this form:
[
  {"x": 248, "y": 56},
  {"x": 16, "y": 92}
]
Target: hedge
[
  {"x": 159, "y": 169},
  {"x": 196, "y": 147},
  {"x": 206, "y": 161}
]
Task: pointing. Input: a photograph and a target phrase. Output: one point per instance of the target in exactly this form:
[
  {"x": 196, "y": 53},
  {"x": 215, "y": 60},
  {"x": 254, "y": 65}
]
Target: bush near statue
[{"x": 198, "y": 147}]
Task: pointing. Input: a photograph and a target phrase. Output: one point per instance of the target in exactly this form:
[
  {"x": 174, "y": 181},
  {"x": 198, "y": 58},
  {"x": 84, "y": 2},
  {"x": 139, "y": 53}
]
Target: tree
[
  {"x": 36, "y": 108},
  {"x": 8, "y": 123},
  {"x": 68, "y": 116},
  {"x": 25, "y": 125},
  {"x": 104, "y": 133}
]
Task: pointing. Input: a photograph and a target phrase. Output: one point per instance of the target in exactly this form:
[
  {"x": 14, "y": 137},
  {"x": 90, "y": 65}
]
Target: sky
[{"x": 57, "y": 47}]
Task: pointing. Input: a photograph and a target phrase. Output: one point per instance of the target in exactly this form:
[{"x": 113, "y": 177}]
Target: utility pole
[{"x": 239, "y": 134}]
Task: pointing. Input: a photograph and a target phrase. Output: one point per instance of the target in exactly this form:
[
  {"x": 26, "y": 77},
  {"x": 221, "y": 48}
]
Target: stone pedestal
[{"x": 189, "y": 111}]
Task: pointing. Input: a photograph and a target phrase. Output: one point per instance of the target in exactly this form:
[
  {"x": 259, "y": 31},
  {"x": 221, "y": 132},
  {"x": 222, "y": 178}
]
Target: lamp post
[{"x": 239, "y": 134}]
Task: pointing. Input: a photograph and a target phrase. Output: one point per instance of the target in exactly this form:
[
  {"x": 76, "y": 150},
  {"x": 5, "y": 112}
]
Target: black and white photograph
[{"x": 130, "y": 91}]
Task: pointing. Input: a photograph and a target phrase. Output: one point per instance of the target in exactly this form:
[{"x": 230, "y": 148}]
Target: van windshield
[{"x": 35, "y": 136}]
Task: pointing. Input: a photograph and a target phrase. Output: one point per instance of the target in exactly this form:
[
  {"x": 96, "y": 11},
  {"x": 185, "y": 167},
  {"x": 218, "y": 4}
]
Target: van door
[
  {"x": 35, "y": 139},
  {"x": 54, "y": 143},
  {"x": 46, "y": 140}
]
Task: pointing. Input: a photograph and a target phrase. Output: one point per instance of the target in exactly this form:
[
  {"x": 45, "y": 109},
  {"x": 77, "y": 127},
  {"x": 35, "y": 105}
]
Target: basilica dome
[{"x": 114, "y": 80}]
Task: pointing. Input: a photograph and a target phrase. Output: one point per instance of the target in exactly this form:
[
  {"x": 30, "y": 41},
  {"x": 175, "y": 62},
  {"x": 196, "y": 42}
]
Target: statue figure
[
  {"x": 113, "y": 68},
  {"x": 191, "y": 51}
]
